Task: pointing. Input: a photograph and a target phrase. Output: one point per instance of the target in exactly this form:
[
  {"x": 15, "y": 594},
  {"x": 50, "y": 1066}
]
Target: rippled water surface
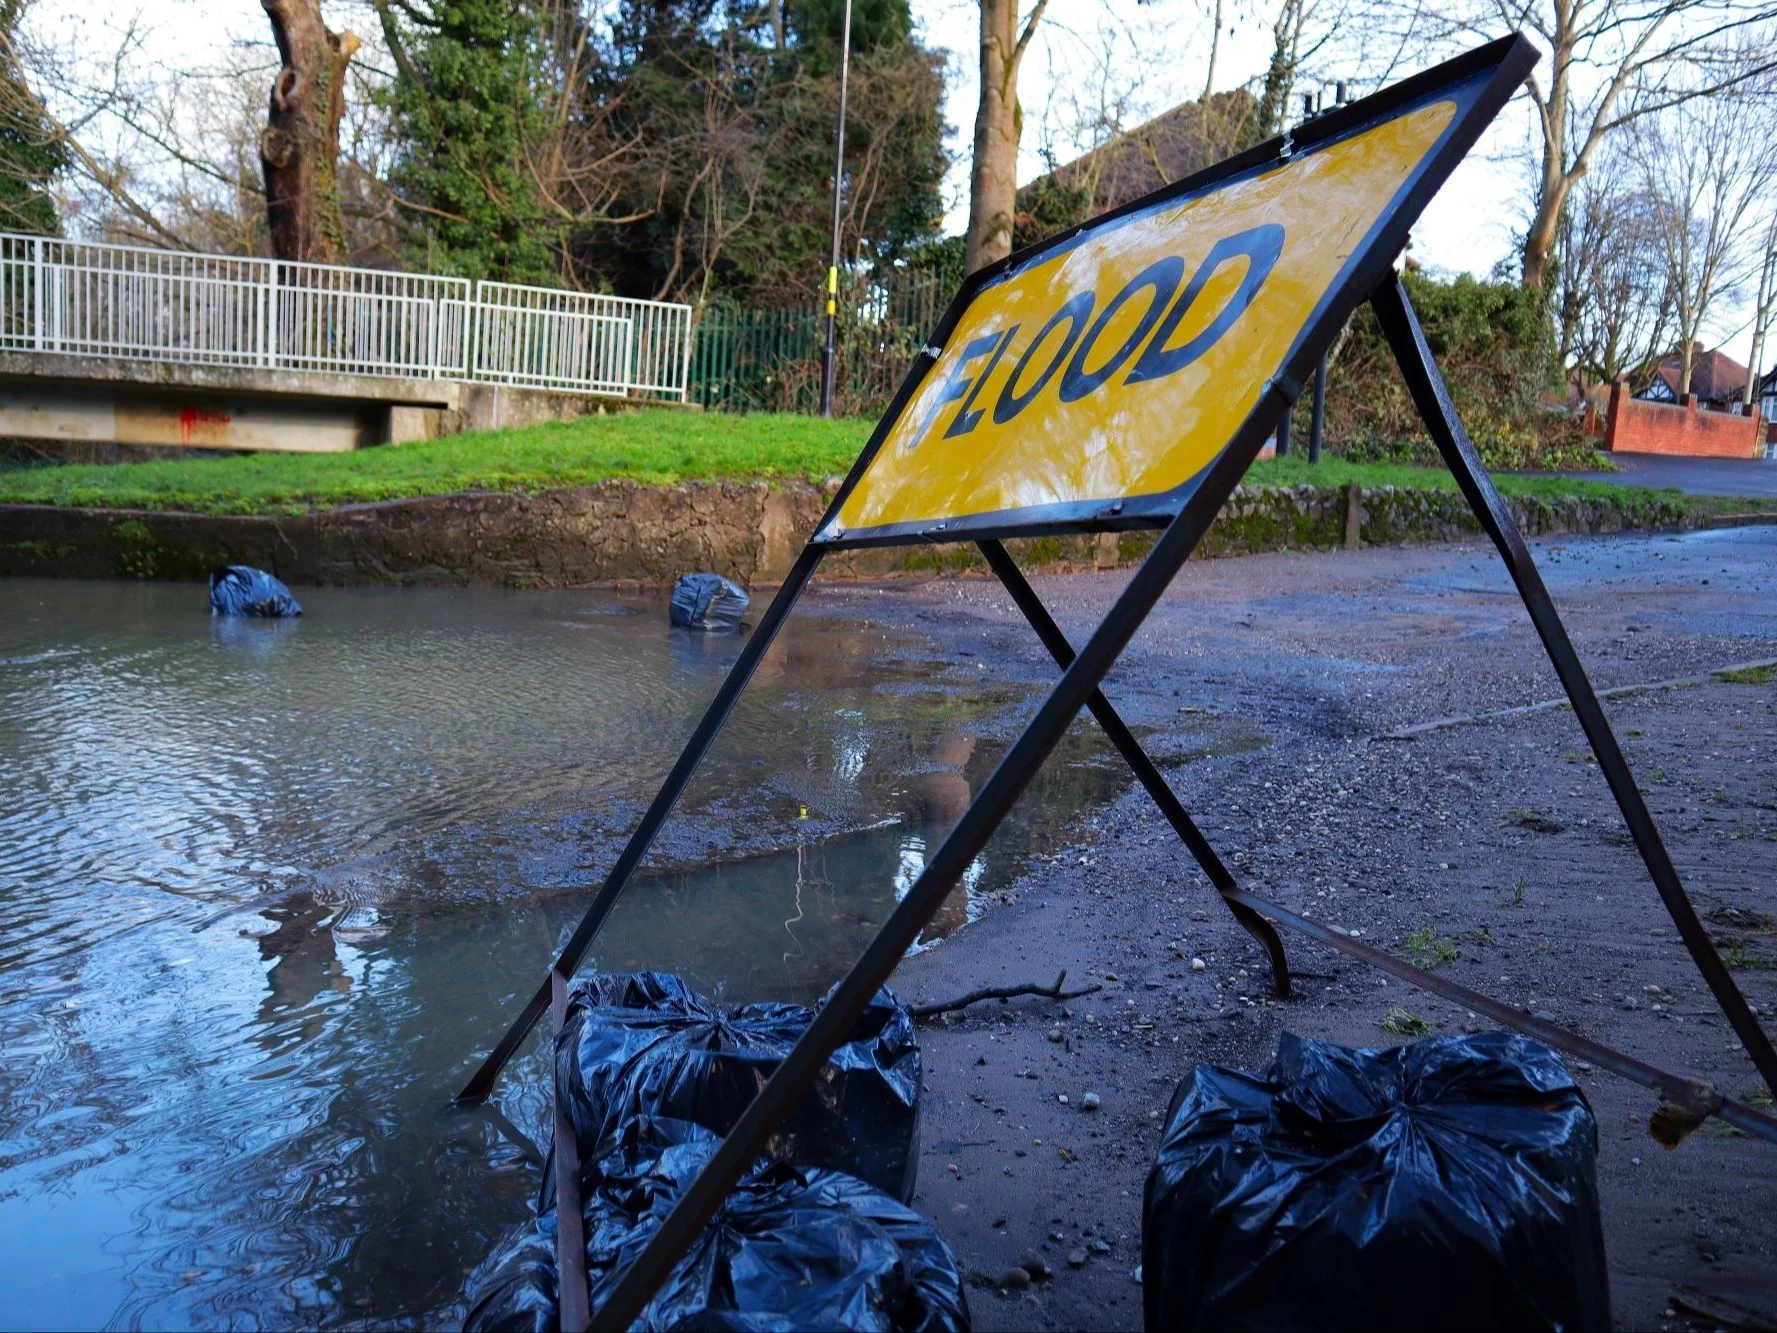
[{"x": 267, "y": 891}]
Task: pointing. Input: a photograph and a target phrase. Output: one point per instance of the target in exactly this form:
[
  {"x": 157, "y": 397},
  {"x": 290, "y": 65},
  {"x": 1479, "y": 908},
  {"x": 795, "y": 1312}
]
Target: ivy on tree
[
  {"x": 31, "y": 149},
  {"x": 467, "y": 99}
]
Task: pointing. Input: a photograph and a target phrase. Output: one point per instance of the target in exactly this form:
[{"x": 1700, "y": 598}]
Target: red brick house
[
  {"x": 1637, "y": 426},
  {"x": 1717, "y": 380}
]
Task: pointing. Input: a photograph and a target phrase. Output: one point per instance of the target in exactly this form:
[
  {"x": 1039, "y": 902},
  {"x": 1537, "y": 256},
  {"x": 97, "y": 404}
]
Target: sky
[
  {"x": 1155, "y": 55},
  {"x": 1137, "y": 59}
]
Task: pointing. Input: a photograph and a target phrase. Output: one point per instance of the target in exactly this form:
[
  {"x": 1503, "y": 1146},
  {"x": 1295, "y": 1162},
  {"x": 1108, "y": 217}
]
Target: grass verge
[
  {"x": 657, "y": 448},
  {"x": 1758, "y": 675}
]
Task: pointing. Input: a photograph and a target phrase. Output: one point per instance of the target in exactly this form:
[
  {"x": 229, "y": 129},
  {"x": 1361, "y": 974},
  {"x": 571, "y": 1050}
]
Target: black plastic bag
[
  {"x": 1449, "y": 1184},
  {"x": 707, "y": 602},
  {"x": 515, "y": 1290},
  {"x": 646, "y": 1045},
  {"x": 241, "y": 590},
  {"x": 790, "y": 1248}
]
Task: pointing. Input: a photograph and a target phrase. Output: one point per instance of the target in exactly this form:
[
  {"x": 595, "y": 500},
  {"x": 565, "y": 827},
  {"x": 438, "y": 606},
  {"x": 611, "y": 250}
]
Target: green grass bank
[
  {"x": 643, "y": 497},
  {"x": 650, "y": 448}
]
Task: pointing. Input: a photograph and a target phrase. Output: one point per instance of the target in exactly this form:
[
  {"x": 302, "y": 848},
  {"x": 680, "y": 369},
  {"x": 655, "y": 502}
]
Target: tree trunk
[
  {"x": 993, "y": 180},
  {"x": 1539, "y": 240},
  {"x": 300, "y": 145},
  {"x": 1215, "y": 45},
  {"x": 1552, "y": 191},
  {"x": 1280, "y": 74},
  {"x": 1761, "y": 316}
]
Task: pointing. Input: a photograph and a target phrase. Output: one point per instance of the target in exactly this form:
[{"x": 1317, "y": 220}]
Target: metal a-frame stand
[
  {"x": 1079, "y": 687},
  {"x": 1684, "y": 1101}
]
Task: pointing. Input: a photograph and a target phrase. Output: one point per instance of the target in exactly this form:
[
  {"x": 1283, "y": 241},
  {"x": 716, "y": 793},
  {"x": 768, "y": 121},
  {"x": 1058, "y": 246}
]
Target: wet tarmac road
[
  {"x": 1754, "y": 478},
  {"x": 1263, "y": 685},
  {"x": 1494, "y": 850}
]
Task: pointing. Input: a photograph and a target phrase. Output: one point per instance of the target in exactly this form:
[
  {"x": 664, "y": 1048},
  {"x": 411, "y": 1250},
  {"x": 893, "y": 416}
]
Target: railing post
[
  {"x": 472, "y": 333},
  {"x": 272, "y": 312},
  {"x": 435, "y": 313},
  {"x": 37, "y": 293},
  {"x": 689, "y": 316},
  {"x": 263, "y": 332},
  {"x": 629, "y": 355}
]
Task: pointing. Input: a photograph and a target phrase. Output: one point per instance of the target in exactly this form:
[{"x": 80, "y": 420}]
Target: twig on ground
[
  {"x": 1543, "y": 705},
  {"x": 1054, "y": 992},
  {"x": 1720, "y": 1312}
]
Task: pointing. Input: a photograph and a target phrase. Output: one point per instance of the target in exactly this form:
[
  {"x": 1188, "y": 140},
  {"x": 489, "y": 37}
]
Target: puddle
[{"x": 270, "y": 890}]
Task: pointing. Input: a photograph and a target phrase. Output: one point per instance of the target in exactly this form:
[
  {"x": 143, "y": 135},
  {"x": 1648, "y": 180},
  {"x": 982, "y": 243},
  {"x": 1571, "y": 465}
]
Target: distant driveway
[{"x": 1693, "y": 476}]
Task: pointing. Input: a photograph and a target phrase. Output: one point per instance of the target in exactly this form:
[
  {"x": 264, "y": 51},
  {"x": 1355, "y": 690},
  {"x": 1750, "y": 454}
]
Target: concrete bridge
[{"x": 124, "y": 345}]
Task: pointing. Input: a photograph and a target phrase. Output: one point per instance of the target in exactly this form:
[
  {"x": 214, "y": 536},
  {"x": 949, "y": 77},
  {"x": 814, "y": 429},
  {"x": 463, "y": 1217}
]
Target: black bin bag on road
[
  {"x": 1449, "y": 1184},
  {"x": 790, "y": 1248},
  {"x": 646, "y": 1045},
  {"x": 707, "y": 602}
]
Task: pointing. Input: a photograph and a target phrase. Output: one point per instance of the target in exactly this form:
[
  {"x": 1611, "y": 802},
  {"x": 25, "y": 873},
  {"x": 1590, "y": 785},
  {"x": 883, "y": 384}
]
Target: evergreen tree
[
  {"x": 819, "y": 25},
  {"x": 467, "y": 103},
  {"x": 734, "y": 182},
  {"x": 30, "y": 150},
  {"x": 676, "y": 148}
]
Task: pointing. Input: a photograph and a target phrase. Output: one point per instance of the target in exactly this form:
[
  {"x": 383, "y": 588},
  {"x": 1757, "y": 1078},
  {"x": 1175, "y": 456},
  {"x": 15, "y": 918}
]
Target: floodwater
[{"x": 268, "y": 890}]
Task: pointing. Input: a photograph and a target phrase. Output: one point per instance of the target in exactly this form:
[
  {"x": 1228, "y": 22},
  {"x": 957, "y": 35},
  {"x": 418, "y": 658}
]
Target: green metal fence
[
  {"x": 756, "y": 360},
  {"x": 747, "y": 360}
]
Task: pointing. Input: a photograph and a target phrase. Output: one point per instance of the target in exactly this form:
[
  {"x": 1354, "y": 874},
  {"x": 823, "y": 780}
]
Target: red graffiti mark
[{"x": 190, "y": 418}]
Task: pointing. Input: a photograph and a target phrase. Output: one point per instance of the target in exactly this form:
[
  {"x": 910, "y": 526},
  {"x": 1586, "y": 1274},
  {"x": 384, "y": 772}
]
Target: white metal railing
[
  {"x": 131, "y": 303},
  {"x": 573, "y": 340}
]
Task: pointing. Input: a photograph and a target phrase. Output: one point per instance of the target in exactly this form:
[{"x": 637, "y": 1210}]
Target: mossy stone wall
[{"x": 625, "y": 532}]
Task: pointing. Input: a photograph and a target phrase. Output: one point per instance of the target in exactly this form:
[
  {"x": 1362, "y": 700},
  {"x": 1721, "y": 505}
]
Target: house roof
[
  {"x": 1715, "y": 376},
  {"x": 1167, "y": 148}
]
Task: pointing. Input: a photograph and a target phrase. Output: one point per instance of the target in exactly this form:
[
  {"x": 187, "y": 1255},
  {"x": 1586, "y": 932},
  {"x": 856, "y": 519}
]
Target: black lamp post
[{"x": 829, "y": 352}]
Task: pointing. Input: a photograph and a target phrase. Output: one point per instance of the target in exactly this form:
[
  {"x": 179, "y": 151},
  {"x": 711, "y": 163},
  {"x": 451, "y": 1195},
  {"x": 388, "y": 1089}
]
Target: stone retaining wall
[{"x": 621, "y": 531}]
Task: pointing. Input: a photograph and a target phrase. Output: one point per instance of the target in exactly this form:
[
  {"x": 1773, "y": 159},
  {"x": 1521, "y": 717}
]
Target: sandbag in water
[
  {"x": 1449, "y": 1184},
  {"x": 707, "y": 602},
  {"x": 645, "y": 1045},
  {"x": 790, "y": 1248},
  {"x": 241, "y": 590}
]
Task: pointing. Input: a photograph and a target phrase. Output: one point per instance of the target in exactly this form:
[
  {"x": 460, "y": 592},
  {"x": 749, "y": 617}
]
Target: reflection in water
[
  {"x": 268, "y": 890},
  {"x": 303, "y": 964},
  {"x": 944, "y": 794}
]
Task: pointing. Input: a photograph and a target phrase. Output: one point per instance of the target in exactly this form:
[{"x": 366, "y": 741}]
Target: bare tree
[
  {"x": 1763, "y": 309},
  {"x": 1215, "y": 47},
  {"x": 1292, "y": 45},
  {"x": 1609, "y": 63},
  {"x": 168, "y": 152},
  {"x": 1613, "y": 316},
  {"x": 1104, "y": 97},
  {"x": 1706, "y": 164},
  {"x": 993, "y": 179}
]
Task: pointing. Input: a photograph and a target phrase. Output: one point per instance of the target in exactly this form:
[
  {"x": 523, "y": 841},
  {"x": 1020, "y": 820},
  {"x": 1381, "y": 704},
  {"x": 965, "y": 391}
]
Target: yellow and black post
[{"x": 830, "y": 349}]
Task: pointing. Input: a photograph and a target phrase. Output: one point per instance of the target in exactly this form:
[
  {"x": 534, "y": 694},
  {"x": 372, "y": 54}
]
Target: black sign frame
[{"x": 1182, "y": 527}]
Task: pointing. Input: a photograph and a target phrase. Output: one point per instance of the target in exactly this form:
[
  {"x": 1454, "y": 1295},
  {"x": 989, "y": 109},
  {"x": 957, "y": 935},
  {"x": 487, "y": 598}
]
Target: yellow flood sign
[{"x": 1097, "y": 376}]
